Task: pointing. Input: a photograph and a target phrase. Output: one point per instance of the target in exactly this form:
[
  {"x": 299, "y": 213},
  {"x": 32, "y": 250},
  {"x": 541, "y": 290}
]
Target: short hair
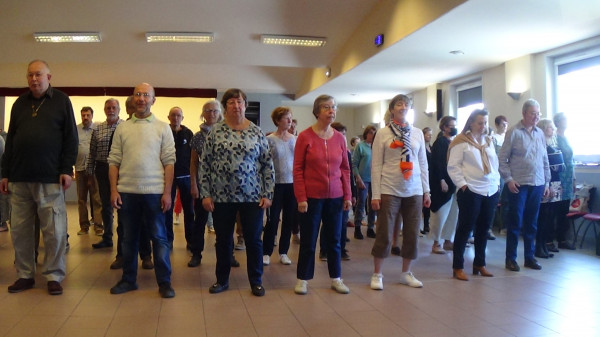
[
  {"x": 233, "y": 93},
  {"x": 114, "y": 100},
  {"x": 219, "y": 107},
  {"x": 426, "y": 129},
  {"x": 339, "y": 126},
  {"x": 500, "y": 119},
  {"x": 295, "y": 121},
  {"x": 176, "y": 107},
  {"x": 444, "y": 122},
  {"x": 40, "y": 61},
  {"x": 278, "y": 113},
  {"x": 368, "y": 129},
  {"x": 88, "y": 108},
  {"x": 559, "y": 117},
  {"x": 544, "y": 123},
  {"x": 317, "y": 104},
  {"x": 353, "y": 140},
  {"x": 129, "y": 101},
  {"x": 472, "y": 117},
  {"x": 398, "y": 98},
  {"x": 529, "y": 103}
]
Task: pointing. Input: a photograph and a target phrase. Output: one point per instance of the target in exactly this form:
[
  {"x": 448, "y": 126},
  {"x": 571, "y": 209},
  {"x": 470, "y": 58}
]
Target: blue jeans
[
  {"x": 107, "y": 215},
  {"x": 362, "y": 202},
  {"x": 251, "y": 217},
  {"x": 476, "y": 213},
  {"x": 524, "y": 207},
  {"x": 329, "y": 211},
  {"x": 187, "y": 203},
  {"x": 283, "y": 200},
  {"x": 147, "y": 208}
]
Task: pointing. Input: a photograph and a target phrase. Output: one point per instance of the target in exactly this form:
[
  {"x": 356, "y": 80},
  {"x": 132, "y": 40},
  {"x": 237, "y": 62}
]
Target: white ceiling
[{"x": 489, "y": 32}]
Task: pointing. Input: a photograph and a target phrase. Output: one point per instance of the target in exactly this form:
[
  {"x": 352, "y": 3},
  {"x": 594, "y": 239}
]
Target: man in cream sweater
[{"x": 141, "y": 161}]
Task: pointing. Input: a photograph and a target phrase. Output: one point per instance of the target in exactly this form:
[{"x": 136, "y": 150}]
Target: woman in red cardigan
[{"x": 322, "y": 189}]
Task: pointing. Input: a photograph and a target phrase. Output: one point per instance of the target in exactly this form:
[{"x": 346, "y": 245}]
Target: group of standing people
[{"x": 232, "y": 170}]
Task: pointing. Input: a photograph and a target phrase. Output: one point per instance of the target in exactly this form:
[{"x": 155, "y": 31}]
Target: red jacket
[{"x": 321, "y": 169}]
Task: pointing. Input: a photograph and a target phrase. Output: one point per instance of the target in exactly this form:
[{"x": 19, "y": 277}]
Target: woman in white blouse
[{"x": 473, "y": 167}]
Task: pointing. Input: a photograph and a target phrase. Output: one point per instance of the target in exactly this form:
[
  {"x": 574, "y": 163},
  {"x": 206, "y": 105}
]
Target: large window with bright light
[
  {"x": 577, "y": 90},
  {"x": 469, "y": 98}
]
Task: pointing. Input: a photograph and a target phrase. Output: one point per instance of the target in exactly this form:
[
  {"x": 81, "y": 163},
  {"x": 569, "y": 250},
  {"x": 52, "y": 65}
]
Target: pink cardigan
[{"x": 321, "y": 169}]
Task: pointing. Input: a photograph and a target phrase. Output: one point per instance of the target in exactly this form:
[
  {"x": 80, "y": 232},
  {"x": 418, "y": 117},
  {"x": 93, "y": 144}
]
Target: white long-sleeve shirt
[
  {"x": 465, "y": 167},
  {"x": 386, "y": 177}
]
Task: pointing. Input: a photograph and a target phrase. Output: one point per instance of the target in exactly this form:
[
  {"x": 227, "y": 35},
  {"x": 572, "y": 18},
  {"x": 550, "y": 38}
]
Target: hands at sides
[
  {"x": 208, "y": 204},
  {"x": 115, "y": 200},
  {"x": 347, "y": 205},
  {"x": 65, "y": 181},
  {"x": 4, "y": 186},
  {"x": 165, "y": 202},
  {"x": 426, "y": 200},
  {"x": 376, "y": 204},
  {"x": 303, "y": 207},
  {"x": 264, "y": 203},
  {"x": 444, "y": 186},
  {"x": 513, "y": 186}
]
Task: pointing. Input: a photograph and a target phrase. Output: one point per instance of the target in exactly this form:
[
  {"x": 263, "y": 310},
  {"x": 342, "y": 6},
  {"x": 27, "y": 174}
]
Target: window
[
  {"x": 577, "y": 89},
  {"x": 469, "y": 98}
]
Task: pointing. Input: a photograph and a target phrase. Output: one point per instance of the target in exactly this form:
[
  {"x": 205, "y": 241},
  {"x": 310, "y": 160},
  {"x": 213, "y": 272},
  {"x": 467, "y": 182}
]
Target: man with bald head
[
  {"x": 183, "y": 152},
  {"x": 141, "y": 165},
  {"x": 37, "y": 167}
]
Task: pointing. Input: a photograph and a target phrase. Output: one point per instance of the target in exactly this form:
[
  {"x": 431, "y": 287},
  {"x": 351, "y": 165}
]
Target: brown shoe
[
  {"x": 117, "y": 263},
  {"x": 482, "y": 270},
  {"x": 437, "y": 249},
  {"x": 99, "y": 230},
  {"x": 21, "y": 284},
  {"x": 459, "y": 274},
  {"x": 147, "y": 263},
  {"x": 448, "y": 245},
  {"x": 54, "y": 288}
]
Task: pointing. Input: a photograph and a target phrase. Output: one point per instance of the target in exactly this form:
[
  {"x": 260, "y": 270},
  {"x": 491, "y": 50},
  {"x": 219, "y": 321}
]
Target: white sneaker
[
  {"x": 240, "y": 244},
  {"x": 284, "y": 259},
  {"x": 301, "y": 287},
  {"x": 377, "y": 282},
  {"x": 266, "y": 260},
  {"x": 410, "y": 280},
  {"x": 339, "y": 286}
]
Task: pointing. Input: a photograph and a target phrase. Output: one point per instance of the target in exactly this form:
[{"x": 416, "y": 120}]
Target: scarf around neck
[
  {"x": 402, "y": 141},
  {"x": 463, "y": 138}
]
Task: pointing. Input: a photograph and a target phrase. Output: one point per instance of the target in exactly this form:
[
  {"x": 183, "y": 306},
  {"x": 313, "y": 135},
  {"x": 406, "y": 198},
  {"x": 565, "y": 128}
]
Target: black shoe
[
  {"x": 533, "y": 264},
  {"x": 396, "y": 251},
  {"x": 102, "y": 244},
  {"x": 358, "y": 234},
  {"x": 54, "y": 288},
  {"x": 117, "y": 263},
  {"x": 322, "y": 256},
  {"x": 370, "y": 233},
  {"x": 347, "y": 240},
  {"x": 566, "y": 245},
  {"x": 195, "y": 261},
  {"x": 345, "y": 255},
  {"x": 552, "y": 248},
  {"x": 234, "y": 262},
  {"x": 490, "y": 235},
  {"x": 123, "y": 287},
  {"x": 21, "y": 285},
  {"x": 424, "y": 231},
  {"x": 541, "y": 253},
  {"x": 512, "y": 265},
  {"x": 165, "y": 290},
  {"x": 545, "y": 249},
  {"x": 258, "y": 290},
  {"x": 218, "y": 288}
]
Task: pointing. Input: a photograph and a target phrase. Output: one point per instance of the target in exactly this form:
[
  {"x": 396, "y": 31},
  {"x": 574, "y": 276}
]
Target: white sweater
[
  {"x": 141, "y": 148},
  {"x": 386, "y": 177}
]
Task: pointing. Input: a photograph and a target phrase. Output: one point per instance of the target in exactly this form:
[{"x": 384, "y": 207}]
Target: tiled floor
[{"x": 561, "y": 300}]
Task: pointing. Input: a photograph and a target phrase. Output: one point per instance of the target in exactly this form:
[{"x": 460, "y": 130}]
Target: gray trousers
[{"x": 48, "y": 202}]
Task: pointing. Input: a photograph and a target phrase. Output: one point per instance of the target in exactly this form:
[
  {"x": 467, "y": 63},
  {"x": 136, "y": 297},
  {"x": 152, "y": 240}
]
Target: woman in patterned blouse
[{"x": 236, "y": 175}]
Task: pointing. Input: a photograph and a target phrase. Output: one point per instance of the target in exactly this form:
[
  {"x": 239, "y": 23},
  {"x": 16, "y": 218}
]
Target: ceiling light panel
[
  {"x": 291, "y": 40},
  {"x": 67, "y": 37},
  {"x": 179, "y": 37}
]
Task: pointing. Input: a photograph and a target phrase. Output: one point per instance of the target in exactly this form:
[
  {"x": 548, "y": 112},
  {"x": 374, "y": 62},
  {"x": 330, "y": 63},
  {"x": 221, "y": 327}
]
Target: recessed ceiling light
[
  {"x": 67, "y": 37},
  {"x": 179, "y": 37},
  {"x": 457, "y": 52},
  {"x": 291, "y": 40}
]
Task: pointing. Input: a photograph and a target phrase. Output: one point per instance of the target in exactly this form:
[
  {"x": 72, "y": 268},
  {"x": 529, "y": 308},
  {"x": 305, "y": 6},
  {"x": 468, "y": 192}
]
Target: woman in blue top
[{"x": 361, "y": 166}]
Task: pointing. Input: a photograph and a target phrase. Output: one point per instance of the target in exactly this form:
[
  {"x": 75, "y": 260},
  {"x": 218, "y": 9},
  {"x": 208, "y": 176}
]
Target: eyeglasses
[
  {"x": 140, "y": 94},
  {"x": 327, "y": 107}
]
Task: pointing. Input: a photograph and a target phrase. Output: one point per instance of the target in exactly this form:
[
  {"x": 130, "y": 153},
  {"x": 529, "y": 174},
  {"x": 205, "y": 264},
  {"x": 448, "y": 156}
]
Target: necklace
[{"x": 35, "y": 111}]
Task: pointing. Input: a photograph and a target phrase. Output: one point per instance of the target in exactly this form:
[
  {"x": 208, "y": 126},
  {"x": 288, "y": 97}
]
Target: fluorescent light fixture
[
  {"x": 291, "y": 40},
  {"x": 67, "y": 37},
  {"x": 179, "y": 37}
]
